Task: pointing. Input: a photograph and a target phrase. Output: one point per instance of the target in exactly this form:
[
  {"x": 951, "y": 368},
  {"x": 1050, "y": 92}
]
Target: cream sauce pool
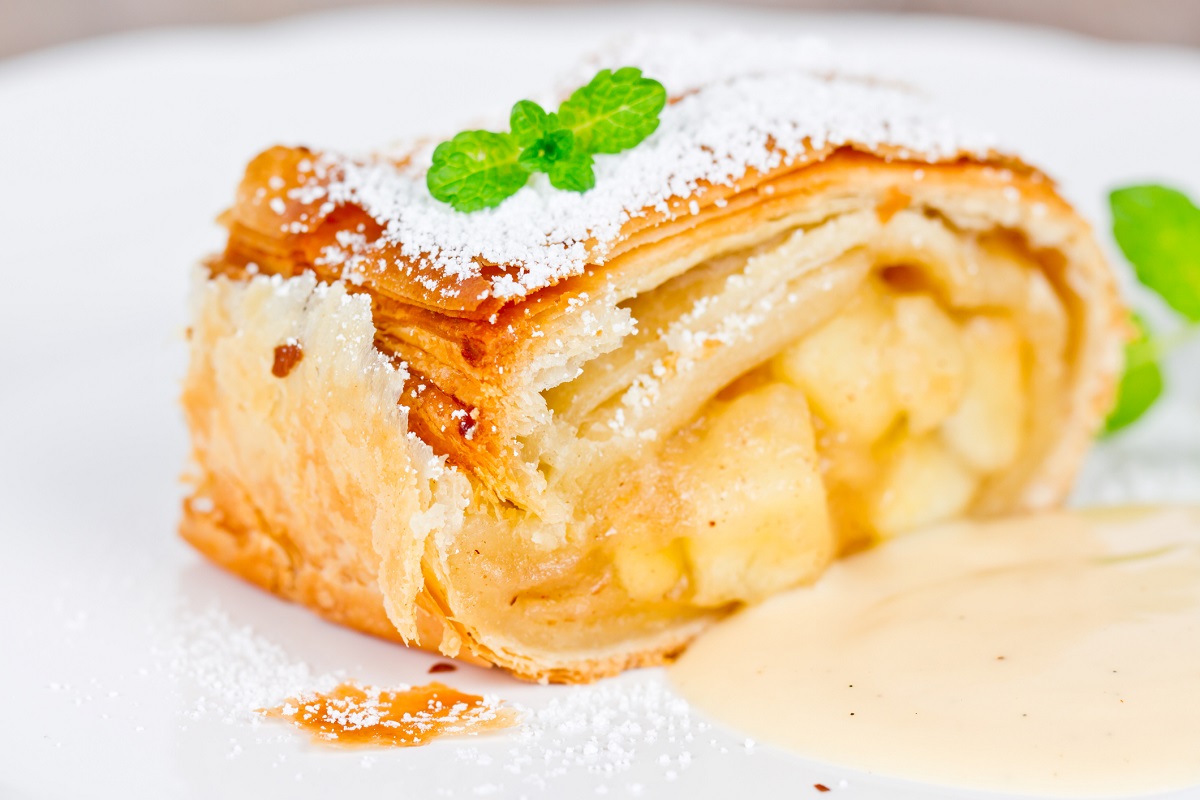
[{"x": 1056, "y": 654}]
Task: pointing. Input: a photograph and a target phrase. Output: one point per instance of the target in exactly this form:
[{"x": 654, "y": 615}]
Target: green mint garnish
[
  {"x": 1141, "y": 384},
  {"x": 474, "y": 167},
  {"x": 1158, "y": 230},
  {"x": 614, "y": 112},
  {"x": 546, "y": 150},
  {"x": 529, "y": 122}
]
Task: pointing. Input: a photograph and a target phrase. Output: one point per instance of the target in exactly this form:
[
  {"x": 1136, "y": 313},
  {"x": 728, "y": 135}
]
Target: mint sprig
[
  {"x": 1158, "y": 230},
  {"x": 615, "y": 111},
  {"x": 1142, "y": 382},
  {"x": 474, "y": 167}
]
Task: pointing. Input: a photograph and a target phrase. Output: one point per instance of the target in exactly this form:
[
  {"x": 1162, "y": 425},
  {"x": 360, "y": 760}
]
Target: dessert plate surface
[{"x": 130, "y": 666}]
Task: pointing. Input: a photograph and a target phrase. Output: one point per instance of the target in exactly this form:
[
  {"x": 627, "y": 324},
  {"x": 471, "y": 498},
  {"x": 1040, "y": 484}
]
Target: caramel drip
[
  {"x": 287, "y": 356},
  {"x": 350, "y": 715}
]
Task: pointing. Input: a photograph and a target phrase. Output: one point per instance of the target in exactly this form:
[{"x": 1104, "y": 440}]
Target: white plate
[{"x": 127, "y": 668}]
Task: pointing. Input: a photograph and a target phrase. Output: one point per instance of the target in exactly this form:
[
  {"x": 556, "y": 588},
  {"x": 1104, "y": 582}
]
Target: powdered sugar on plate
[
  {"x": 632, "y": 734},
  {"x": 234, "y": 670},
  {"x": 604, "y": 730},
  {"x": 740, "y": 103}
]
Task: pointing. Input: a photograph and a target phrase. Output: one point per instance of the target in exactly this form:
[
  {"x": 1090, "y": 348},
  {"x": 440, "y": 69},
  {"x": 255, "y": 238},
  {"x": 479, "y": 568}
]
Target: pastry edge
[
  {"x": 259, "y": 559},
  {"x": 255, "y": 555},
  {"x": 344, "y": 581}
]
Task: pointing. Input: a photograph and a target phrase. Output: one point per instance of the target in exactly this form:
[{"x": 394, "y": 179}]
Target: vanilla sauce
[{"x": 1053, "y": 654}]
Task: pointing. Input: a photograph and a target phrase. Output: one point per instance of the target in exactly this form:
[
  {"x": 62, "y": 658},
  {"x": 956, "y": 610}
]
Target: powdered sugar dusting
[
  {"x": 741, "y": 103},
  {"x": 601, "y": 730},
  {"x": 614, "y": 732},
  {"x": 236, "y": 670}
]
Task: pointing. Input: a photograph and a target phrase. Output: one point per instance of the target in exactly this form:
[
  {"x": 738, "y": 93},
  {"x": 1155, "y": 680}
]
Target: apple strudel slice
[{"x": 564, "y": 434}]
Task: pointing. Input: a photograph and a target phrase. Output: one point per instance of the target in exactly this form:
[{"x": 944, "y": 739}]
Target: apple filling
[
  {"x": 909, "y": 397},
  {"x": 885, "y": 419}
]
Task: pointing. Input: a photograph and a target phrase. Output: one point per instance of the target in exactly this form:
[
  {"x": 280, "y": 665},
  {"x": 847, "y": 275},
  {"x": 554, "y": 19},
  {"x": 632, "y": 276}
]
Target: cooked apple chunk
[
  {"x": 987, "y": 428},
  {"x": 843, "y": 367},
  {"x": 759, "y": 521},
  {"x": 923, "y": 483},
  {"x": 648, "y": 572},
  {"x": 928, "y": 364}
]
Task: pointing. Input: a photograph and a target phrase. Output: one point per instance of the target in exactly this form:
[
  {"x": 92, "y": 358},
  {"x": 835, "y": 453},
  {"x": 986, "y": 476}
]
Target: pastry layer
[{"x": 576, "y": 477}]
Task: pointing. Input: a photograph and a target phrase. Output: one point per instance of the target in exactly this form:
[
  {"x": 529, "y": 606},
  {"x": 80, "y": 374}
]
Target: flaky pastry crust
[{"x": 436, "y": 466}]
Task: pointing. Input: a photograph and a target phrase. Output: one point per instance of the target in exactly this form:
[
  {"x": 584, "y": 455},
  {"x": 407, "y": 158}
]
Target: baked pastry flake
[{"x": 564, "y": 435}]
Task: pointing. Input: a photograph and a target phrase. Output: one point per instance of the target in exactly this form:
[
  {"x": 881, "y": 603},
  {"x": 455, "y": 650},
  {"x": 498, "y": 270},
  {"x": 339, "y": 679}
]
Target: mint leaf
[
  {"x": 1141, "y": 384},
  {"x": 559, "y": 156},
  {"x": 555, "y": 146},
  {"x": 1158, "y": 230},
  {"x": 574, "y": 173},
  {"x": 615, "y": 111},
  {"x": 476, "y": 169},
  {"x": 529, "y": 122}
]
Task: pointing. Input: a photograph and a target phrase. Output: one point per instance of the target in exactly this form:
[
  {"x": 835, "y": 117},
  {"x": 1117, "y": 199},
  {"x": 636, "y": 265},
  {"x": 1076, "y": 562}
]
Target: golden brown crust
[
  {"x": 460, "y": 412},
  {"x": 256, "y": 557},
  {"x": 261, "y": 560},
  {"x": 287, "y": 493},
  {"x": 479, "y": 362}
]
